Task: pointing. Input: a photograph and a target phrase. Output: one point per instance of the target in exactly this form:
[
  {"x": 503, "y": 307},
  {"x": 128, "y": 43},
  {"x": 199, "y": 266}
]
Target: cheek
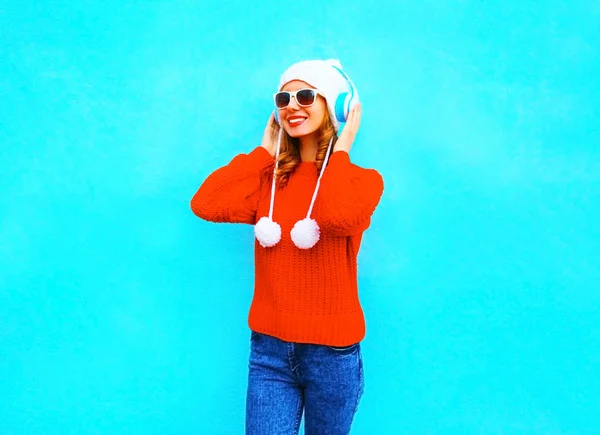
[
  {"x": 318, "y": 114},
  {"x": 315, "y": 121}
]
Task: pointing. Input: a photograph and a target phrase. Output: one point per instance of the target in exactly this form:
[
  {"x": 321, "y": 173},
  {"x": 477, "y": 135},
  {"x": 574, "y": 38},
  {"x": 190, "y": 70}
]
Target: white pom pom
[
  {"x": 267, "y": 232},
  {"x": 305, "y": 233}
]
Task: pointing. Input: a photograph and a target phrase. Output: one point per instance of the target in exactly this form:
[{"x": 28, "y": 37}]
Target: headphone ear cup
[{"x": 341, "y": 112}]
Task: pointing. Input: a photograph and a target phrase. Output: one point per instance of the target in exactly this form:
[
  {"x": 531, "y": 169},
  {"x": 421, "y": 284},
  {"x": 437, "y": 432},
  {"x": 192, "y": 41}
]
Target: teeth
[{"x": 295, "y": 120}]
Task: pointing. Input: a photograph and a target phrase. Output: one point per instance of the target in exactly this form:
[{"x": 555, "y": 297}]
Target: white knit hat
[{"x": 328, "y": 77}]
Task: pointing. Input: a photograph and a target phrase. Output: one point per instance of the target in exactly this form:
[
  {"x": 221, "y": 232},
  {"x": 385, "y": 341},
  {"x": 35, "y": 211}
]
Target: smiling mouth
[{"x": 296, "y": 121}]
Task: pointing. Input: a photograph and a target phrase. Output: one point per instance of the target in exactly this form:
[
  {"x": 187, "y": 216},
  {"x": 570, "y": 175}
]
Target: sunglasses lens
[
  {"x": 305, "y": 97},
  {"x": 282, "y": 99}
]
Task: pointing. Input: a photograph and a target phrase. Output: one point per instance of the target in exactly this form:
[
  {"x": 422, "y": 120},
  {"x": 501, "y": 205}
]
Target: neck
[{"x": 308, "y": 148}]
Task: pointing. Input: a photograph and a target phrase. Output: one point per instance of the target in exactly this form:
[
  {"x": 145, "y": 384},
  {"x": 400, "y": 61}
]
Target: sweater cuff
[
  {"x": 339, "y": 157},
  {"x": 260, "y": 157}
]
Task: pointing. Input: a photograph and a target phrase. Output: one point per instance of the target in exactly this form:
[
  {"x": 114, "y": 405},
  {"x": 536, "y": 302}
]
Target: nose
[{"x": 293, "y": 104}]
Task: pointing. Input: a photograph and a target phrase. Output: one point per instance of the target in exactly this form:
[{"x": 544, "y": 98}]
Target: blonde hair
[{"x": 289, "y": 154}]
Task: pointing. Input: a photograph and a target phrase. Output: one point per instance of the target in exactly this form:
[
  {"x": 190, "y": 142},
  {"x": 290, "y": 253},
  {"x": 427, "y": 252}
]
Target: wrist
[
  {"x": 344, "y": 143},
  {"x": 341, "y": 147},
  {"x": 269, "y": 150}
]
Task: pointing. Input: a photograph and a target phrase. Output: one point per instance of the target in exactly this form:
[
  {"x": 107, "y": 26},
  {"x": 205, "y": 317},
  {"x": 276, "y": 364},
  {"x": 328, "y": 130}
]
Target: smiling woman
[{"x": 306, "y": 318}]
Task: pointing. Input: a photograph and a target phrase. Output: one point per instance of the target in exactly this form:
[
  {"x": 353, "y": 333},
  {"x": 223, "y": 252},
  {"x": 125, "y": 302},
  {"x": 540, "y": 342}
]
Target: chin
[
  {"x": 300, "y": 132},
  {"x": 296, "y": 134}
]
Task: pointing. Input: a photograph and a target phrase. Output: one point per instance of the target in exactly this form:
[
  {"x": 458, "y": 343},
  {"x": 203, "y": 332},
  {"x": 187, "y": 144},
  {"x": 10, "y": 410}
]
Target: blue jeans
[{"x": 286, "y": 379}]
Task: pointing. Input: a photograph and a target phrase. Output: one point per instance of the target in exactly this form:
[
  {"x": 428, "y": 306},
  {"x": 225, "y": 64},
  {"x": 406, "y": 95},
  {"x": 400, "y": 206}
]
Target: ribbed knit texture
[{"x": 300, "y": 295}]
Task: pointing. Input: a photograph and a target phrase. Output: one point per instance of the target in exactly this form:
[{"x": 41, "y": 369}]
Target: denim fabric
[{"x": 286, "y": 379}]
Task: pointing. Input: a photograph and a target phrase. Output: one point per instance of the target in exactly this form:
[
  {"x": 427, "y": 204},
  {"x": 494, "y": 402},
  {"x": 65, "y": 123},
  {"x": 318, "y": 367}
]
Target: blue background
[{"x": 123, "y": 313}]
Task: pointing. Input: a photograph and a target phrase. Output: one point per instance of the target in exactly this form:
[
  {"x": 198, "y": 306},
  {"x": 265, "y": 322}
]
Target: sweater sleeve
[
  {"x": 348, "y": 196},
  {"x": 232, "y": 192}
]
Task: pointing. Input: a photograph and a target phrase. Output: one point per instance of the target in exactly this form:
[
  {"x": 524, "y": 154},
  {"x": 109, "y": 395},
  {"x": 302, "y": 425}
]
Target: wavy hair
[{"x": 289, "y": 154}]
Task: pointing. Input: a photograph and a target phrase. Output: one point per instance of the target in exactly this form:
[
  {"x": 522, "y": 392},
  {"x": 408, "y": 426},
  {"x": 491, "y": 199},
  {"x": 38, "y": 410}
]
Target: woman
[{"x": 309, "y": 206}]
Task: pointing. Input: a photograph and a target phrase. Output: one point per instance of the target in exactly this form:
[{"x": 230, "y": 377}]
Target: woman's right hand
[{"x": 269, "y": 140}]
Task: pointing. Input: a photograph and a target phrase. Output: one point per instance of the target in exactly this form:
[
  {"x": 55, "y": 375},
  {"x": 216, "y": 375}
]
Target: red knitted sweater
[{"x": 300, "y": 295}]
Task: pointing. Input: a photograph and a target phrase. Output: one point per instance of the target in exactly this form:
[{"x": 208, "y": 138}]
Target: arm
[
  {"x": 348, "y": 196},
  {"x": 231, "y": 193}
]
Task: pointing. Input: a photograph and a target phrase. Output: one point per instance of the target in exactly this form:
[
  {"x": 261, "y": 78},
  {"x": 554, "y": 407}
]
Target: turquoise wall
[{"x": 123, "y": 313}]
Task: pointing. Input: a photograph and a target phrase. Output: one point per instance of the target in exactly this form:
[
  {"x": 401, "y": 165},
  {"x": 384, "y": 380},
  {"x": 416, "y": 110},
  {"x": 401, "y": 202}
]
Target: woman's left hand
[{"x": 346, "y": 139}]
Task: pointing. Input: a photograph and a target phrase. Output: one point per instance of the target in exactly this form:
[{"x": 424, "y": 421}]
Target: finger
[
  {"x": 357, "y": 111},
  {"x": 271, "y": 120},
  {"x": 272, "y": 126},
  {"x": 351, "y": 116},
  {"x": 355, "y": 115}
]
